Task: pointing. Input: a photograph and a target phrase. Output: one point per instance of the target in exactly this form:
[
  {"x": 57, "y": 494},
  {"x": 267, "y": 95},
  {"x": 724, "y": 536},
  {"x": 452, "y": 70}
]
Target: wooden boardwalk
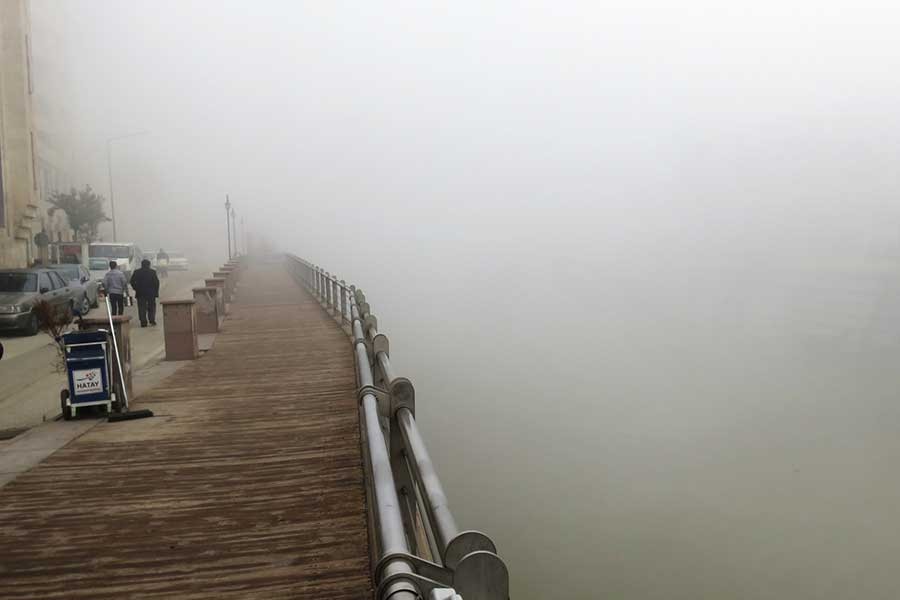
[{"x": 248, "y": 483}]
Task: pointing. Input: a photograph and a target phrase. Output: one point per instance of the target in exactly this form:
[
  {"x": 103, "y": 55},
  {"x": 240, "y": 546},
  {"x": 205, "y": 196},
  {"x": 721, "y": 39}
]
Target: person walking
[
  {"x": 146, "y": 288},
  {"x": 162, "y": 263},
  {"x": 116, "y": 285}
]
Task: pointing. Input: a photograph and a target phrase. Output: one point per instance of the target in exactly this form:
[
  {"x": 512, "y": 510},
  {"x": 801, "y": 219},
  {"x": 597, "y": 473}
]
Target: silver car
[
  {"x": 79, "y": 277},
  {"x": 21, "y": 289}
]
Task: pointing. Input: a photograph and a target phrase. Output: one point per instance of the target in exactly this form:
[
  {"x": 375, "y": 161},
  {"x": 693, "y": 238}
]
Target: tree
[
  {"x": 84, "y": 209},
  {"x": 54, "y": 322}
]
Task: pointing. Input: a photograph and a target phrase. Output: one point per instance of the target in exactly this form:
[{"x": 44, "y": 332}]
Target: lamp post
[
  {"x": 228, "y": 222},
  {"x": 112, "y": 203}
]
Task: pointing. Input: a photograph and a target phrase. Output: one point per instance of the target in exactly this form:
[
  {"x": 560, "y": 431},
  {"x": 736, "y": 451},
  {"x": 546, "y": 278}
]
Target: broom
[{"x": 126, "y": 415}]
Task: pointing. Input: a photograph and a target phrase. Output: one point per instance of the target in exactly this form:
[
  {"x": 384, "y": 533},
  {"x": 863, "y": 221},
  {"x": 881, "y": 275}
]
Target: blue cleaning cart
[{"x": 88, "y": 371}]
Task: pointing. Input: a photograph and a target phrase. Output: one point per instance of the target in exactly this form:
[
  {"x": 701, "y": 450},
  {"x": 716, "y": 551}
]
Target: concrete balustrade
[
  {"x": 207, "y": 303},
  {"x": 218, "y": 282},
  {"x": 180, "y": 331},
  {"x": 185, "y": 319},
  {"x": 231, "y": 277},
  {"x": 228, "y": 284}
]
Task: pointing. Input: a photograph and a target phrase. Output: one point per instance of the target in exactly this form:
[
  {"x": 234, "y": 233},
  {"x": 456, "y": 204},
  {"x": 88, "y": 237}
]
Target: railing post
[
  {"x": 343, "y": 301},
  {"x": 335, "y": 305},
  {"x": 406, "y": 491},
  {"x": 329, "y": 301}
]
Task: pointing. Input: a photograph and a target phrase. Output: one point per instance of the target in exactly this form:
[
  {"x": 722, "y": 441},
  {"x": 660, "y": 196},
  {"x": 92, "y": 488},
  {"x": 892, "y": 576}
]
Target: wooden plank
[{"x": 247, "y": 484}]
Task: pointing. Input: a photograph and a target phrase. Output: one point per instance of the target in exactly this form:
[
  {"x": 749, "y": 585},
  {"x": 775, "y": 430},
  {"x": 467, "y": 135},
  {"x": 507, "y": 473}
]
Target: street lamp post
[
  {"x": 228, "y": 222},
  {"x": 112, "y": 202}
]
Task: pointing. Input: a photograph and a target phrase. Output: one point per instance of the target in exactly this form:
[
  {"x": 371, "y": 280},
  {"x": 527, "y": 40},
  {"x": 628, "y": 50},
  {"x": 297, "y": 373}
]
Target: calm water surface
[{"x": 664, "y": 433}]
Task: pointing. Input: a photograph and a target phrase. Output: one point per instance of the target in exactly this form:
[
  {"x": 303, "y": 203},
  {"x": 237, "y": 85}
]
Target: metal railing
[{"x": 419, "y": 550}]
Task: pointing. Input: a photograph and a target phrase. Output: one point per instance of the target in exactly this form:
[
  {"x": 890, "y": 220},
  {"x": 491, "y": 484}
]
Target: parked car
[
  {"x": 79, "y": 277},
  {"x": 21, "y": 289}
]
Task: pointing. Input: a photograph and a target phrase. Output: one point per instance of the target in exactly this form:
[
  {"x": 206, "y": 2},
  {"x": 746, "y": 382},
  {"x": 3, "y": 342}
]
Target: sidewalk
[{"x": 29, "y": 393}]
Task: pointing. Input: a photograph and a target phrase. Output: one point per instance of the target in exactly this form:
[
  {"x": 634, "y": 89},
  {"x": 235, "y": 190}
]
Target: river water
[{"x": 687, "y": 431}]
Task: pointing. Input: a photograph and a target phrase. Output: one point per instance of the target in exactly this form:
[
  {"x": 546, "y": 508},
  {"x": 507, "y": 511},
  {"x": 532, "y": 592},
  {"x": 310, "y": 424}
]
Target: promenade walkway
[{"x": 248, "y": 482}]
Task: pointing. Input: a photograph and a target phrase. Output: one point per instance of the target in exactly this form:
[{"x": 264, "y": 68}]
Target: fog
[{"x": 641, "y": 260}]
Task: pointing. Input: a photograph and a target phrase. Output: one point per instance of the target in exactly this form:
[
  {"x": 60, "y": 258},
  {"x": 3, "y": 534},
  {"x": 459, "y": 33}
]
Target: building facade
[
  {"x": 31, "y": 167},
  {"x": 19, "y": 210},
  {"x": 51, "y": 120}
]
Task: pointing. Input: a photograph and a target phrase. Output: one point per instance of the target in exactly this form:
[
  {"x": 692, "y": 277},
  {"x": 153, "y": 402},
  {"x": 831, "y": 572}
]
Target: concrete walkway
[{"x": 247, "y": 484}]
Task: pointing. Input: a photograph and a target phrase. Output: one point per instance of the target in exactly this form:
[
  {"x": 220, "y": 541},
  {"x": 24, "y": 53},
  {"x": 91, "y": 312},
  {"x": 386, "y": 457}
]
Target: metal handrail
[{"x": 421, "y": 552}]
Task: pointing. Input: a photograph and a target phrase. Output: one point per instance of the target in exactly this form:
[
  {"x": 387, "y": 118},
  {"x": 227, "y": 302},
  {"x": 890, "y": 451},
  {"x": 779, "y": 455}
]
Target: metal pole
[
  {"x": 330, "y": 294},
  {"x": 436, "y": 505},
  {"x": 334, "y": 296},
  {"x": 391, "y": 534},
  {"x": 335, "y": 305},
  {"x": 385, "y": 363},
  {"x": 112, "y": 330},
  {"x": 112, "y": 202}
]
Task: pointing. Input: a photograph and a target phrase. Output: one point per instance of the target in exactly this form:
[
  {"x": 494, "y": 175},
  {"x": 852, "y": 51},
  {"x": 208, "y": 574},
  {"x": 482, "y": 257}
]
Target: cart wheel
[{"x": 63, "y": 406}]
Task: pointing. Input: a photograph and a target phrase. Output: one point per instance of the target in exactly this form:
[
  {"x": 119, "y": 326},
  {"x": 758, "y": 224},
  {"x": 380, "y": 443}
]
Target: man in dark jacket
[{"x": 146, "y": 288}]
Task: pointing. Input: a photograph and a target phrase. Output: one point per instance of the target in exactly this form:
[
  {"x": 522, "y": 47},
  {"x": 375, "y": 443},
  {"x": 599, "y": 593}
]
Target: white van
[{"x": 126, "y": 254}]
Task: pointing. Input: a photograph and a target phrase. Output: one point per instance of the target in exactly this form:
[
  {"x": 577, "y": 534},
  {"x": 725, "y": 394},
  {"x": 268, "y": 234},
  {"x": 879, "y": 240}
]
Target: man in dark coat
[{"x": 146, "y": 288}]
